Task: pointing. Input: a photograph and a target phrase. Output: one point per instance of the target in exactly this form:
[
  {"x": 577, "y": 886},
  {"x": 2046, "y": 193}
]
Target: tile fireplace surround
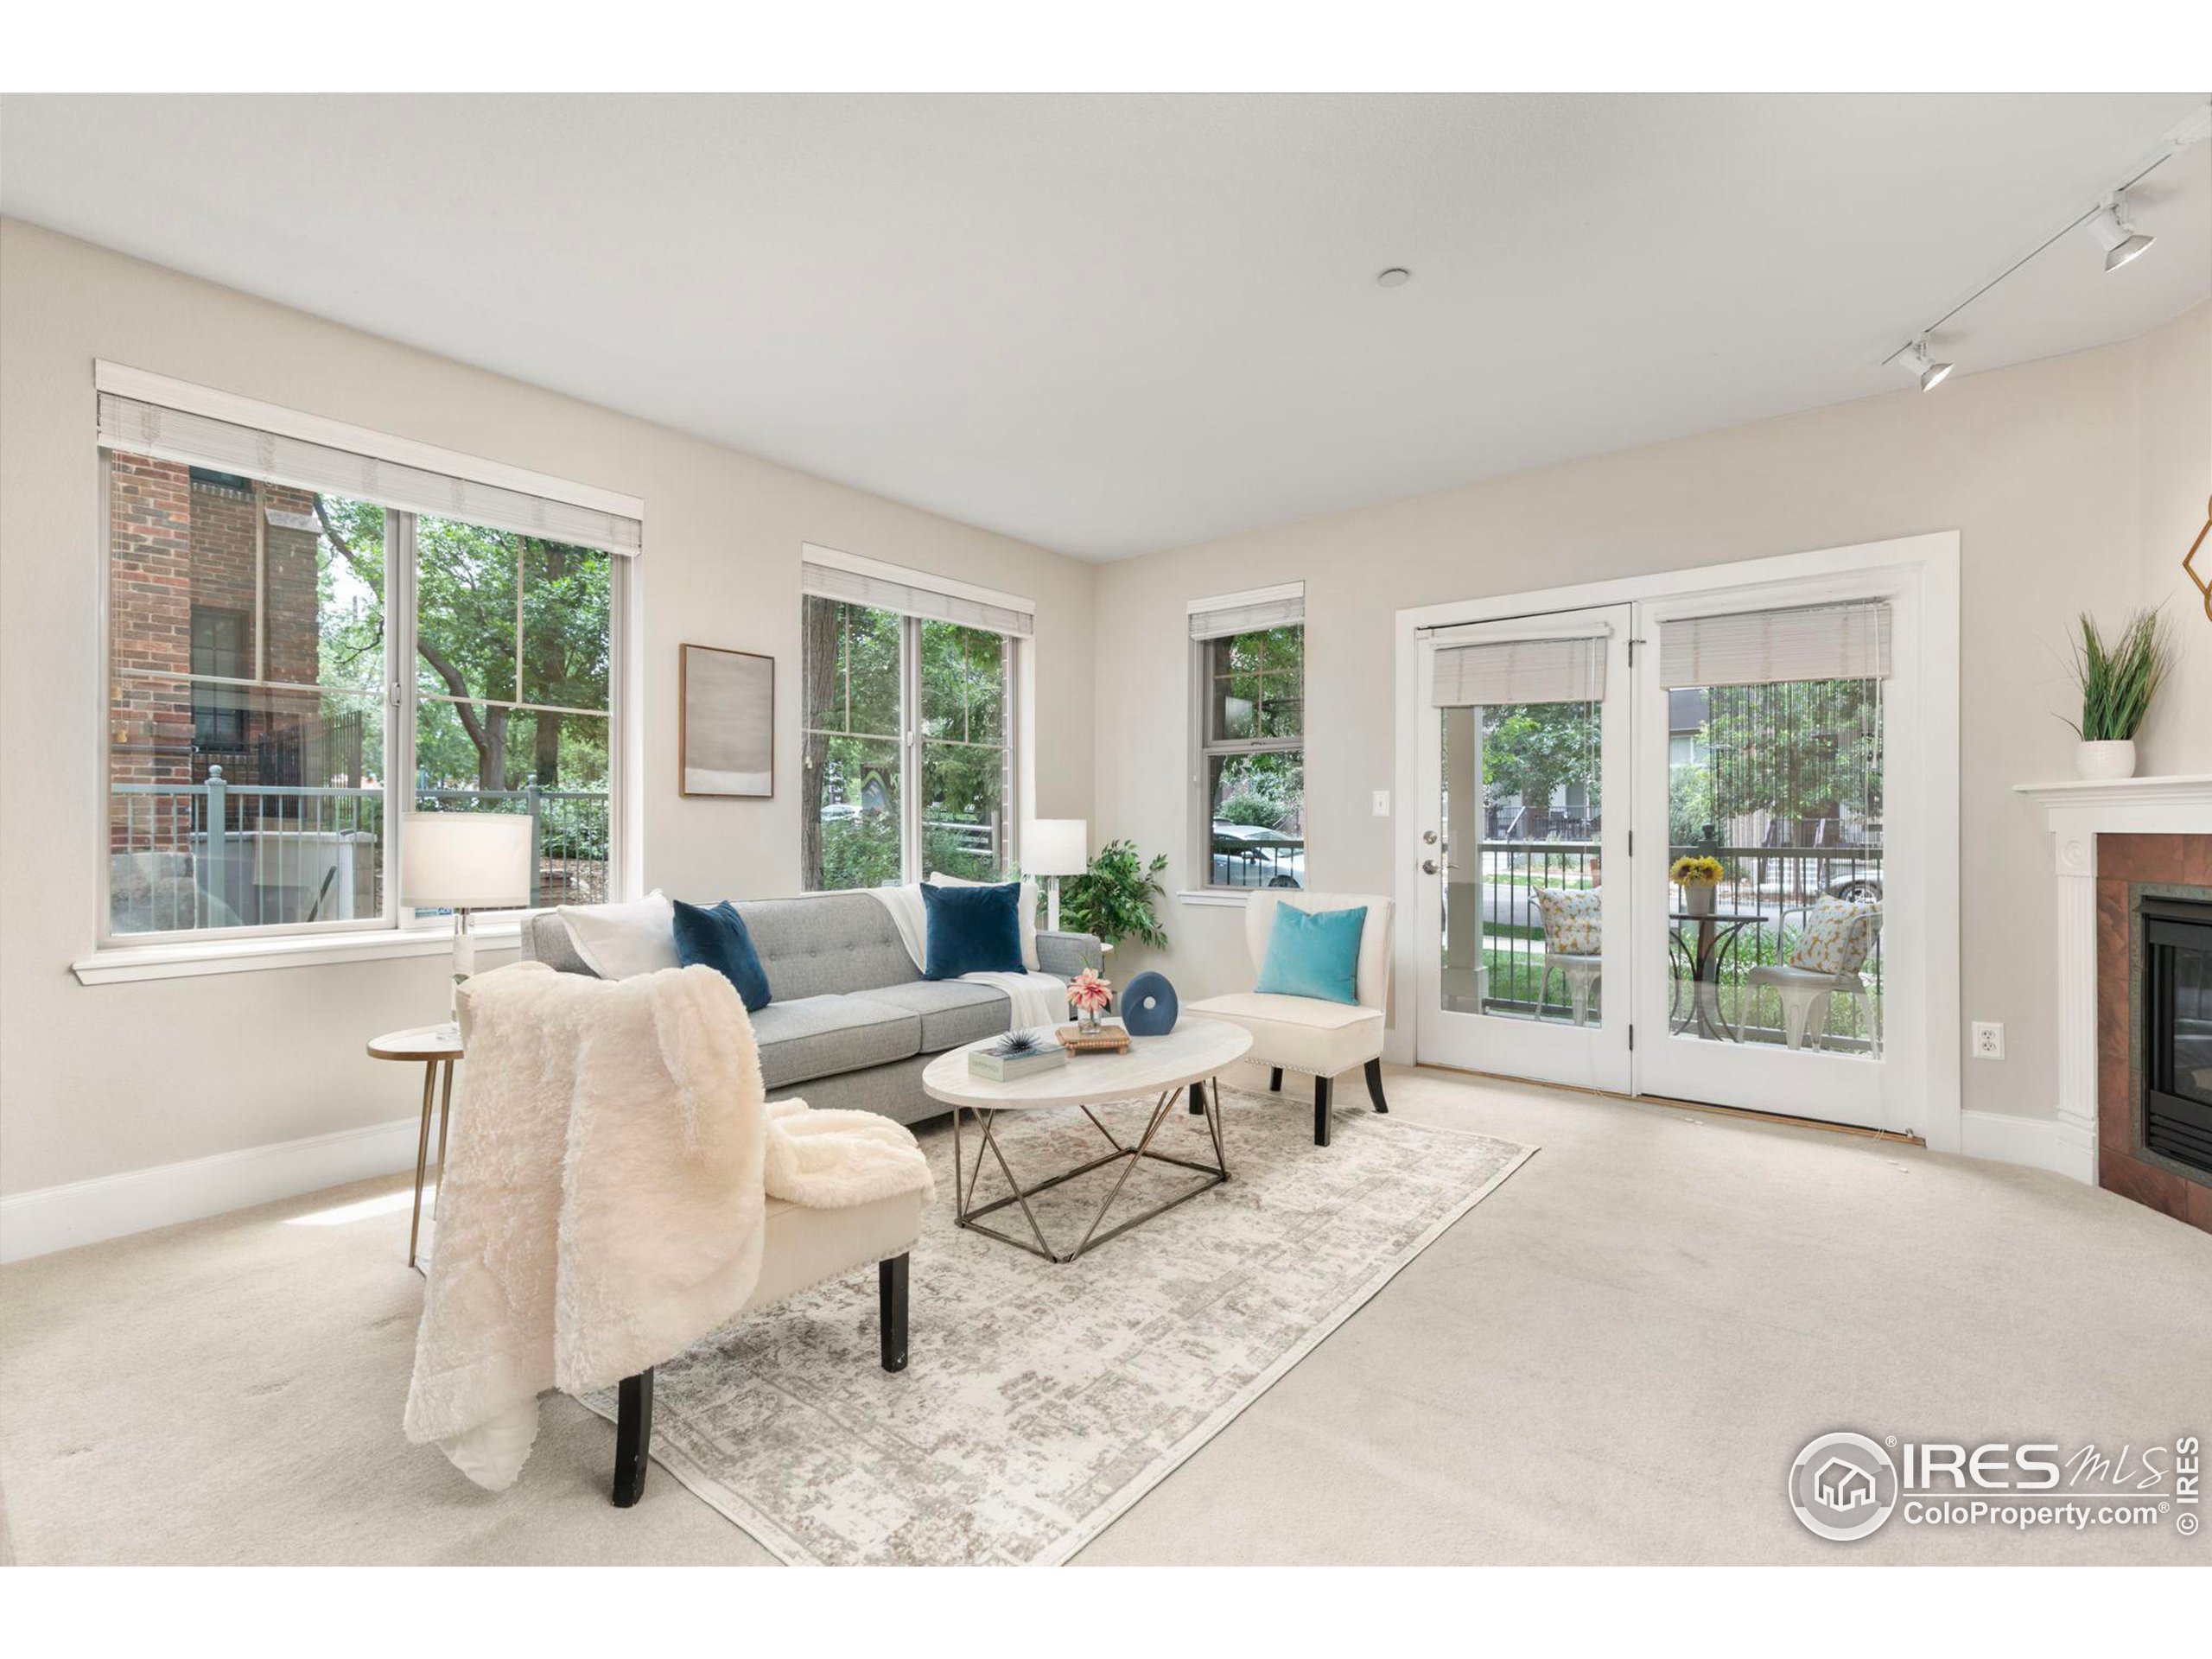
[{"x": 2115, "y": 840}]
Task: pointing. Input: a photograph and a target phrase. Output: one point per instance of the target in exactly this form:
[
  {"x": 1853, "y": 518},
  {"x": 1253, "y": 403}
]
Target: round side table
[{"x": 436, "y": 1048}]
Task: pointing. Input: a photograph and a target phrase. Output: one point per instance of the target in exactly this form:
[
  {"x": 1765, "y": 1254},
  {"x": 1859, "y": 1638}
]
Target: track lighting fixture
[
  {"x": 1915, "y": 360},
  {"x": 2120, "y": 240}
]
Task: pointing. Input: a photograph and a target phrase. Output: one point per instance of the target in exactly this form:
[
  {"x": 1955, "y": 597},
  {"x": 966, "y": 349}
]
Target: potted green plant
[
  {"x": 2117, "y": 682},
  {"x": 1114, "y": 897}
]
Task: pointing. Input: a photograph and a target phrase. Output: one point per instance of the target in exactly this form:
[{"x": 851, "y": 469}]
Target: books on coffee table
[{"x": 991, "y": 1061}]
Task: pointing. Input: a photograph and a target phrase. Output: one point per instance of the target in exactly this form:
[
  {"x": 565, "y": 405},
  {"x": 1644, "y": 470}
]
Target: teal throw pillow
[{"x": 1315, "y": 953}]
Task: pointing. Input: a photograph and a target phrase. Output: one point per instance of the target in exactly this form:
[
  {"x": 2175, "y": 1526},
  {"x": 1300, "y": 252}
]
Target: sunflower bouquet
[{"x": 1697, "y": 875}]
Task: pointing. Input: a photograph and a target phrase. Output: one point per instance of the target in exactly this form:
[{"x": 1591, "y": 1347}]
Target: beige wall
[
  {"x": 102, "y": 1079},
  {"x": 2074, "y": 482}
]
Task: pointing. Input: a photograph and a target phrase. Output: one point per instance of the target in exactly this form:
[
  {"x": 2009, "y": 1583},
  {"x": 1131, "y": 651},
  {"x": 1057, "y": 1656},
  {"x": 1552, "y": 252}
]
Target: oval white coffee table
[{"x": 1190, "y": 1057}]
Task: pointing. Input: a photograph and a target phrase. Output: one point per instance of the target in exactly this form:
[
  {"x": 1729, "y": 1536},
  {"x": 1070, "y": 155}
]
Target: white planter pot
[{"x": 2104, "y": 760}]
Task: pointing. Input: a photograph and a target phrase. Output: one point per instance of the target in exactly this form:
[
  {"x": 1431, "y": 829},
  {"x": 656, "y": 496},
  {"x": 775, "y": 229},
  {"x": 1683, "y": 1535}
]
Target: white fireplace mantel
[{"x": 2079, "y": 811}]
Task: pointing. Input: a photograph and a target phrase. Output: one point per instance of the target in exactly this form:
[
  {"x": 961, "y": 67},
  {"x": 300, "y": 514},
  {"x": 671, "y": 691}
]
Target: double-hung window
[
  {"x": 1249, "y": 787},
  {"x": 307, "y": 641},
  {"x": 909, "y": 766}
]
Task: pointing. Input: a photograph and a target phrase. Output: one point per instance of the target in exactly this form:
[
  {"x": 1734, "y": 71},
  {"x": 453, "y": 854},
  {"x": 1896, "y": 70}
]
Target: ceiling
[{"x": 1109, "y": 324}]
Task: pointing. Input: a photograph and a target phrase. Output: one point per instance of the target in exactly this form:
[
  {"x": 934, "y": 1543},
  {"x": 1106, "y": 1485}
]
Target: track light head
[
  {"x": 2120, "y": 240},
  {"x": 1914, "y": 360}
]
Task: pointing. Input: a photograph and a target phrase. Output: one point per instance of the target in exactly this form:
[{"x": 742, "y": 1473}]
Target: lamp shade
[
  {"x": 464, "y": 861},
  {"x": 1057, "y": 847}
]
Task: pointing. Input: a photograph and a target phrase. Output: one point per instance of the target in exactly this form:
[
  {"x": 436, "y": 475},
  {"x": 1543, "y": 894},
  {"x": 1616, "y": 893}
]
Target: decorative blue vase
[{"x": 1148, "y": 1006}]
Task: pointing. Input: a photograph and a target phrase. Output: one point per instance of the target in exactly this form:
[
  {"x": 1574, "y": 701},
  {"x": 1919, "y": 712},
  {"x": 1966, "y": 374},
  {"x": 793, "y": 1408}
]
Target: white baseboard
[
  {"x": 2038, "y": 1142},
  {"x": 84, "y": 1212}
]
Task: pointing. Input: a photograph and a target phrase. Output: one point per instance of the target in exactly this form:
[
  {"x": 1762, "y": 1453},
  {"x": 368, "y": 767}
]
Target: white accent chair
[
  {"x": 1319, "y": 1039},
  {"x": 1806, "y": 993},
  {"x": 1581, "y": 967}
]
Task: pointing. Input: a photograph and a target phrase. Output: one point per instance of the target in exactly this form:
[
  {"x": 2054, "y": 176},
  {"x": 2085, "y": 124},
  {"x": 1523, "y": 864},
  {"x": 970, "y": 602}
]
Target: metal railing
[
  {"x": 1767, "y": 884},
  {"x": 213, "y": 854}
]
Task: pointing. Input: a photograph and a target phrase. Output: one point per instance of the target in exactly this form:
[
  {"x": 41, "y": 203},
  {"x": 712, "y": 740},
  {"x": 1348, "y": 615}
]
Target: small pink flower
[{"x": 1087, "y": 990}]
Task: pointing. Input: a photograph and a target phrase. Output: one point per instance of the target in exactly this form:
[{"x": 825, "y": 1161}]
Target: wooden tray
[{"x": 1110, "y": 1039}]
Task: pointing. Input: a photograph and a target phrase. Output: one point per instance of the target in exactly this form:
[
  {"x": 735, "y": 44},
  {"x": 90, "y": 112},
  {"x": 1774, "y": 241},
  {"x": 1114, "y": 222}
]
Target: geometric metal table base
[{"x": 1205, "y": 1095}]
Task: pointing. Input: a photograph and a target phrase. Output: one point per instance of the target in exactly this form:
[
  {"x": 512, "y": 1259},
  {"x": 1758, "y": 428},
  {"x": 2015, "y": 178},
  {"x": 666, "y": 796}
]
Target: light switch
[{"x": 1382, "y": 803}]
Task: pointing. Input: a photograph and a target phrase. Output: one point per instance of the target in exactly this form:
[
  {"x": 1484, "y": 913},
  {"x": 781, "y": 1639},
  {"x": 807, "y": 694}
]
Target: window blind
[
  {"x": 1267, "y": 608},
  {"x": 1813, "y": 642},
  {"x": 1519, "y": 671},
  {"x": 909, "y": 594},
  {"x": 149, "y": 429}
]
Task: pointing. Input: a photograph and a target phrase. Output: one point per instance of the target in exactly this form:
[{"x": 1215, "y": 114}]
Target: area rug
[{"x": 1043, "y": 1399}]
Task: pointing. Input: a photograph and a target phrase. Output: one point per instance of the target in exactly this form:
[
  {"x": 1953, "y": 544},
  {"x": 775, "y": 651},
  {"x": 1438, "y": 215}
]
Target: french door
[
  {"x": 1524, "y": 777},
  {"x": 1686, "y": 846}
]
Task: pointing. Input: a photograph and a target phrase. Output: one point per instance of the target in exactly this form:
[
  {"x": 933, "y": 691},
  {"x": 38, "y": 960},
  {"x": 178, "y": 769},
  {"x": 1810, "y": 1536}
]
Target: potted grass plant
[{"x": 2117, "y": 681}]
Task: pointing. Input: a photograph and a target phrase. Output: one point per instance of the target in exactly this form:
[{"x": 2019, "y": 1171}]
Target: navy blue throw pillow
[
  {"x": 972, "y": 929},
  {"x": 718, "y": 939}
]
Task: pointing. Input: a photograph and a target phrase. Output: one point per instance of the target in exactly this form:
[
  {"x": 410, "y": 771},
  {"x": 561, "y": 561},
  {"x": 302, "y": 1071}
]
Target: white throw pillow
[
  {"x": 622, "y": 941},
  {"x": 1028, "y": 902}
]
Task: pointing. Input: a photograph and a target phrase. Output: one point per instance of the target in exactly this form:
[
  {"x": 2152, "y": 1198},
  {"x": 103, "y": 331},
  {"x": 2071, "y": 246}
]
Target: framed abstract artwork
[{"x": 728, "y": 736}]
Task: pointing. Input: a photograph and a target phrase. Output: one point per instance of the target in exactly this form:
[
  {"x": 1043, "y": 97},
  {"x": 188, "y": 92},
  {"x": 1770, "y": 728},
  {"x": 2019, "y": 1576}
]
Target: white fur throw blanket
[{"x": 603, "y": 1202}]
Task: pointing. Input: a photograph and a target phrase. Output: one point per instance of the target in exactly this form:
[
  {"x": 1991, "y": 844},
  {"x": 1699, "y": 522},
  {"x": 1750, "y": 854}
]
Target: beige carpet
[{"x": 1613, "y": 1358}]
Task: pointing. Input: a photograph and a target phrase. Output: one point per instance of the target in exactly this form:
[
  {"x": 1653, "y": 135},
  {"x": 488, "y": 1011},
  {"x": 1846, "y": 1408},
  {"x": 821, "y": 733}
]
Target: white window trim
[
  {"x": 121, "y": 958},
  {"x": 1200, "y": 834}
]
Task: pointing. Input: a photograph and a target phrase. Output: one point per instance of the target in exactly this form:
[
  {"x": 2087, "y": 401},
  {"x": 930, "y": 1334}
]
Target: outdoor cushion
[
  {"x": 952, "y": 1011},
  {"x": 1570, "y": 917},
  {"x": 820, "y": 1036},
  {"x": 1315, "y": 953},
  {"x": 1839, "y": 935},
  {"x": 971, "y": 931},
  {"x": 717, "y": 937}
]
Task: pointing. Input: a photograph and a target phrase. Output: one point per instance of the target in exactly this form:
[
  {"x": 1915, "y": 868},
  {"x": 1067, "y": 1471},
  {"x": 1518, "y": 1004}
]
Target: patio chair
[
  {"x": 1833, "y": 943},
  {"x": 1571, "y": 944}
]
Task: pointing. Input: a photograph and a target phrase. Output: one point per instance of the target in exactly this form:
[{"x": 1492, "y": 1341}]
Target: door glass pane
[
  {"x": 1774, "y": 900},
  {"x": 1520, "y": 932}
]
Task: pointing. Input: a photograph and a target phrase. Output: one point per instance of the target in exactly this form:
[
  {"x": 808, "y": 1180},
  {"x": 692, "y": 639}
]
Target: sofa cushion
[
  {"x": 952, "y": 1011},
  {"x": 818, "y": 1036},
  {"x": 971, "y": 931},
  {"x": 717, "y": 938},
  {"x": 827, "y": 943},
  {"x": 622, "y": 941},
  {"x": 1028, "y": 907},
  {"x": 1300, "y": 1033}
]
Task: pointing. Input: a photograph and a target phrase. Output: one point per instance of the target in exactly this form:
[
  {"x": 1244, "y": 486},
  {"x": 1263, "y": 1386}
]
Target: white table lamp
[
  {"x": 1055, "y": 848},
  {"x": 462, "y": 861}
]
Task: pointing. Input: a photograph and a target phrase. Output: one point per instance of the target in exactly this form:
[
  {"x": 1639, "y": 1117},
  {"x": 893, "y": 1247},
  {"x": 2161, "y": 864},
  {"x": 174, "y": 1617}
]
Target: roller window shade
[
  {"x": 148, "y": 429},
  {"x": 913, "y": 598},
  {"x": 1248, "y": 616},
  {"x": 1519, "y": 671},
  {"x": 1813, "y": 642}
]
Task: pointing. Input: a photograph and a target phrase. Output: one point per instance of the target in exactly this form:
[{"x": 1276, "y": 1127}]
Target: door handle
[{"x": 1428, "y": 867}]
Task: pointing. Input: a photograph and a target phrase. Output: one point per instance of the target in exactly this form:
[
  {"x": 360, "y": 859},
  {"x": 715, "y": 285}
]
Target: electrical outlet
[
  {"x": 1382, "y": 803},
  {"x": 1988, "y": 1040}
]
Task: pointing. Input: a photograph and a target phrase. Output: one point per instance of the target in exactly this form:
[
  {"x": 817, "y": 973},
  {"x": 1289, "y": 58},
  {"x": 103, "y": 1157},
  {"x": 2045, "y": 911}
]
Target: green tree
[{"x": 1529, "y": 749}]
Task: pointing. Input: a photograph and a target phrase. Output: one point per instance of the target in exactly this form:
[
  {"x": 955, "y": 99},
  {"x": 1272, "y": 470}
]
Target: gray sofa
[{"x": 853, "y": 1022}]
